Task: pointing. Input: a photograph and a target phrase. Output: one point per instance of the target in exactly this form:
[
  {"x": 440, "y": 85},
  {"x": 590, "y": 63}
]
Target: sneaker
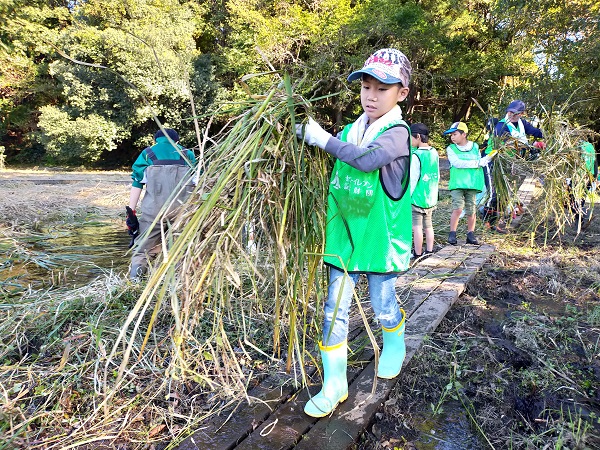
[
  {"x": 471, "y": 239},
  {"x": 452, "y": 238}
]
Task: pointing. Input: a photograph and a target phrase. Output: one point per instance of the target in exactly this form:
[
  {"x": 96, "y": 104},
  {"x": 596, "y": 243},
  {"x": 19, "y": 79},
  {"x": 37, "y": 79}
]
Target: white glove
[
  {"x": 314, "y": 134},
  {"x": 484, "y": 161},
  {"x": 593, "y": 187}
]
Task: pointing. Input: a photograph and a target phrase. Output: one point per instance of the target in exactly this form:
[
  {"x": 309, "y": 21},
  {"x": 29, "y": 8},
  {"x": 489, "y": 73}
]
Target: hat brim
[
  {"x": 377, "y": 74},
  {"x": 515, "y": 111},
  {"x": 450, "y": 130}
]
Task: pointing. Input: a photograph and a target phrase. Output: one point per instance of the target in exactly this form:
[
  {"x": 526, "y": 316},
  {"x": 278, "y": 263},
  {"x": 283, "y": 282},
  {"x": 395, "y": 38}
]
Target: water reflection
[
  {"x": 62, "y": 256},
  {"x": 448, "y": 430}
]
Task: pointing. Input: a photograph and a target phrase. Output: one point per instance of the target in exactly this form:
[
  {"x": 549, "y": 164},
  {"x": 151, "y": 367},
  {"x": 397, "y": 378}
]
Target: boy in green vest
[
  {"x": 368, "y": 220},
  {"x": 466, "y": 179},
  {"x": 425, "y": 176}
]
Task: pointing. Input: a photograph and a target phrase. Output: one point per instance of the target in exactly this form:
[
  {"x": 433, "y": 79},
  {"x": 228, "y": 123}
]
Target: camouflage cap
[{"x": 387, "y": 65}]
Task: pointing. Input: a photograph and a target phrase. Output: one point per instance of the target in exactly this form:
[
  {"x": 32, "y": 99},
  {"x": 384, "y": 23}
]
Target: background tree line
[{"x": 139, "y": 56}]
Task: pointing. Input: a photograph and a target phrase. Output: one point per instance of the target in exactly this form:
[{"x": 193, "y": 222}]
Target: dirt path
[{"x": 516, "y": 362}]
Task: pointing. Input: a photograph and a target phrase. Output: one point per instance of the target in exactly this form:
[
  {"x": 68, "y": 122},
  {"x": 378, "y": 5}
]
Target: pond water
[{"x": 62, "y": 256}]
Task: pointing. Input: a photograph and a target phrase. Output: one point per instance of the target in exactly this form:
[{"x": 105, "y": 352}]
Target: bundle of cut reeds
[
  {"x": 245, "y": 251},
  {"x": 561, "y": 173}
]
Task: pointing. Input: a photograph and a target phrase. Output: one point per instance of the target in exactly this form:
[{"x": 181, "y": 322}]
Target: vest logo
[{"x": 336, "y": 181}]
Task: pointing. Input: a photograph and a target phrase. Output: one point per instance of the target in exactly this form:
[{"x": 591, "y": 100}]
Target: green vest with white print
[
  {"x": 367, "y": 231},
  {"x": 466, "y": 178},
  {"x": 425, "y": 194},
  {"x": 589, "y": 156}
]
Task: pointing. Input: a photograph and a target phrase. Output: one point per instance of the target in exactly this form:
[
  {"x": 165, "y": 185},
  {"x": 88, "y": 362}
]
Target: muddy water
[
  {"x": 448, "y": 430},
  {"x": 62, "y": 256}
]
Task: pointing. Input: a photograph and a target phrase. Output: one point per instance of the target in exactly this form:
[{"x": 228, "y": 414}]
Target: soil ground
[{"x": 516, "y": 362}]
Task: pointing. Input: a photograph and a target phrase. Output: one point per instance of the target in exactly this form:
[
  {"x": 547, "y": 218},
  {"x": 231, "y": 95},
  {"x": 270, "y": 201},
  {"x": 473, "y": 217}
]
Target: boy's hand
[
  {"x": 313, "y": 133},
  {"x": 484, "y": 161}
]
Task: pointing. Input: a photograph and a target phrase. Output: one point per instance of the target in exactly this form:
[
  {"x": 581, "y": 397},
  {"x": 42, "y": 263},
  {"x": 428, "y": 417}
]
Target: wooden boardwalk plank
[
  {"x": 343, "y": 427},
  {"x": 426, "y": 293}
]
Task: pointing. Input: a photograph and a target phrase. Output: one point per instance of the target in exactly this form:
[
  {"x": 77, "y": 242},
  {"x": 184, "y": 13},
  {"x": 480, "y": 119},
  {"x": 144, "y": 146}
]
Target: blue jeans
[{"x": 383, "y": 301}]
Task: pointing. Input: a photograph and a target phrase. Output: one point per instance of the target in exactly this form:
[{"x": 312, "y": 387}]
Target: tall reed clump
[
  {"x": 561, "y": 160},
  {"x": 241, "y": 275}
]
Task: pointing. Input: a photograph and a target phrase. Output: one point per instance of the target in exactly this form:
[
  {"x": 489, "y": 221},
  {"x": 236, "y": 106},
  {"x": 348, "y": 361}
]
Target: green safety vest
[
  {"x": 466, "y": 178},
  {"x": 589, "y": 156},
  {"x": 425, "y": 194},
  {"x": 517, "y": 134},
  {"x": 367, "y": 231}
]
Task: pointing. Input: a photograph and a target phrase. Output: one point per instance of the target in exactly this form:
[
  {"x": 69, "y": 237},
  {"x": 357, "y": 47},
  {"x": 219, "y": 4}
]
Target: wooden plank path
[{"x": 277, "y": 421}]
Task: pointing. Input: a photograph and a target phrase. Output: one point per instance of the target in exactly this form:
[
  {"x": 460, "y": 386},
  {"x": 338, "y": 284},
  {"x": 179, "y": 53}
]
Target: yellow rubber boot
[
  {"x": 335, "y": 382},
  {"x": 394, "y": 350}
]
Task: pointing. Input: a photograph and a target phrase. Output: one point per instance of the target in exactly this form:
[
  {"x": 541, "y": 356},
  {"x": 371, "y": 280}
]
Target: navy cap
[
  {"x": 419, "y": 128},
  {"x": 170, "y": 132},
  {"x": 516, "y": 106}
]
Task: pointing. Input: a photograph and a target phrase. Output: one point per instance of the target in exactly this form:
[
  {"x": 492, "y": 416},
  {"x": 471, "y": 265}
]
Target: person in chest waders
[
  {"x": 369, "y": 223},
  {"x": 165, "y": 171}
]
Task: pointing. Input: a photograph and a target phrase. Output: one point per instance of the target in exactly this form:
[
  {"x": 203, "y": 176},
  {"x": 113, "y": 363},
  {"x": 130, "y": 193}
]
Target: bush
[{"x": 78, "y": 141}]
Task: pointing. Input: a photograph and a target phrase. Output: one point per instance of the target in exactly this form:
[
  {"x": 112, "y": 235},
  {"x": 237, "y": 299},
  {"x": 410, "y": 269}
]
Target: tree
[
  {"x": 25, "y": 31},
  {"x": 135, "y": 61}
]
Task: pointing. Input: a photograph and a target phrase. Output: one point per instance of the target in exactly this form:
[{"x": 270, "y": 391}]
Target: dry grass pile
[
  {"x": 26, "y": 205},
  {"x": 53, "y": 355}
]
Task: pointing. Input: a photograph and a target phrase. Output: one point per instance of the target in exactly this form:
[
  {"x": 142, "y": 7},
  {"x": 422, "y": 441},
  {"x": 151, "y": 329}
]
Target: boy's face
[
  {"x": 378, "y": 98},
  {"x": 415, "y": 141},
  {"x": 458, "y": 137},
  {"x": 513, "y": 117}
]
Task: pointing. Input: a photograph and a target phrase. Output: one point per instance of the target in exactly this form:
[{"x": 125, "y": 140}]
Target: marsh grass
[
  {"x": 234, "y": 295},
  {"x": 51, "y": 376}
]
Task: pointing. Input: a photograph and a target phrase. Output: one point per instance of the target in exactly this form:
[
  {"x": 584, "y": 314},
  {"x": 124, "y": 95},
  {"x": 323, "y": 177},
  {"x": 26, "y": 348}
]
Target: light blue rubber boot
[
  {"x": 335, "y": 383},
  {"x": 394, "y": 350}
]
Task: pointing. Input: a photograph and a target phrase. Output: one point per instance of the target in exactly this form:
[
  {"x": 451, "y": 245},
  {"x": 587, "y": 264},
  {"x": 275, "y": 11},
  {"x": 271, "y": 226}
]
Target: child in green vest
[
  {"x": 368, "y": 220},
  {"x": 588, "y": 154},
  {"x": 425, "y": 176},
  {"x": 466, "y": 179}
]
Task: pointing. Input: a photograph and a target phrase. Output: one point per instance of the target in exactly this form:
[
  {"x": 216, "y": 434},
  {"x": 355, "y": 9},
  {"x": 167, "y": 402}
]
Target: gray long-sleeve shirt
[{"x": 390, "y": 152}]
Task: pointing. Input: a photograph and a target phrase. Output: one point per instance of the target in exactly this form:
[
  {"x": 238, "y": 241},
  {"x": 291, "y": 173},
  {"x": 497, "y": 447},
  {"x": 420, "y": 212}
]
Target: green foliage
[
  {"x": 491, "y": 50},
  {"x": 77, "y": 141}
]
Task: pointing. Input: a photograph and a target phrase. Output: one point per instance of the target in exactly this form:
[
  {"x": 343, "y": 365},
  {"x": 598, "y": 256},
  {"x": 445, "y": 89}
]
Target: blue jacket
[{"x": 501, "y": 129}]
